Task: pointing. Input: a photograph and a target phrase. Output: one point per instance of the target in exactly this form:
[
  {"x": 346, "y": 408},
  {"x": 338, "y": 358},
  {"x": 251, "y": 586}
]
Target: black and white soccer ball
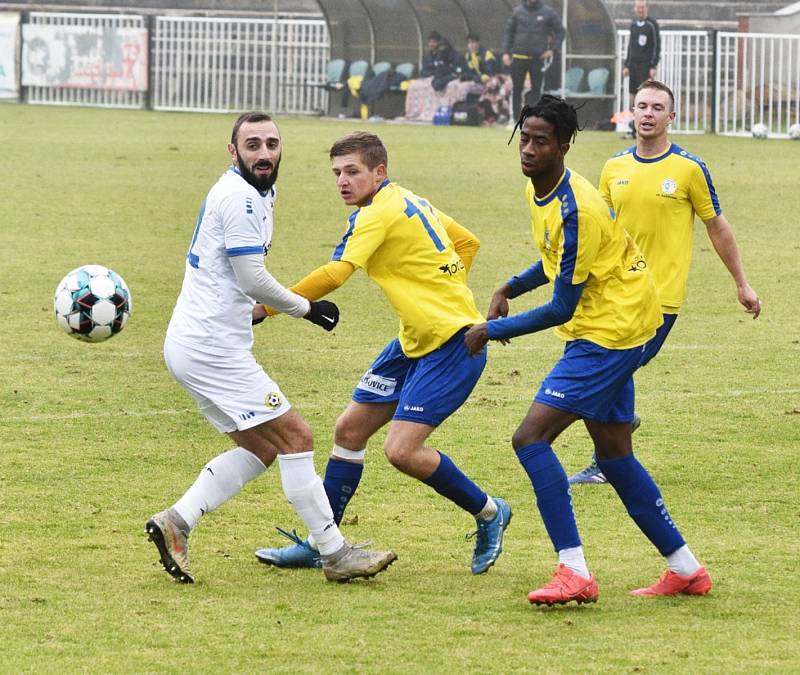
[
  {"x": 92, "y": 303},
  {"x": 794, "y": 132}
]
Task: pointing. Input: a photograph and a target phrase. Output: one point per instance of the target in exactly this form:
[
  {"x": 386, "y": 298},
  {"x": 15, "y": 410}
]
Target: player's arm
[
  {"x": 526, "y": 281},
  {"x": 724, "y": 242},
  {"x": 557, "y": 311},
  {"x": 464, "y": 241},
  {"x": 317, "y": 284}
]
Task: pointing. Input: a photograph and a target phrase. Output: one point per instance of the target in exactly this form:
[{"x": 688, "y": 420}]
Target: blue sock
[
  {"x": 341, "y": 481},
  {"x": 552, "y": 494},
  {"x": 641, "y": 497},
  {"x": 450, "y": 482}
]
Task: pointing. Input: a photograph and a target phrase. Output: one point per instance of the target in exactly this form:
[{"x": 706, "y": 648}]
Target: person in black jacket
[
  {"x": 644, "y": 49},
  {"x": 532, "y": 33},
  {"x": 441, "y": 61}
]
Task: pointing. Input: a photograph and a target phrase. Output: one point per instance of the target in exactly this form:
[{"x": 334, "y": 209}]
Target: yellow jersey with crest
[
  {"x": 655, "y": 199},
  {"x": 579, "y": 242},
  {"x": 401, "y": 242}
]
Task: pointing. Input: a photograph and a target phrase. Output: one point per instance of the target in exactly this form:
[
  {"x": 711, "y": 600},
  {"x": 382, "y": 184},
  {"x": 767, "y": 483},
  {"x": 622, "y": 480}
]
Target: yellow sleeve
[
  {"x": 603, "y": 186},
  {"x": 465, "y": 243},
  {"x": 321, "y": 281}
]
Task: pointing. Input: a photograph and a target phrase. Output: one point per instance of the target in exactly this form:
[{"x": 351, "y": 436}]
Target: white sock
[
  {"x": 683, "y": 562},
  {"x": 222, "y": 478},
  {"x": 303, "y": 488},
  {"x": 489, "y": 510},
  {"x": 352, "y": 455},
  {"x": 573, "y": 558}
]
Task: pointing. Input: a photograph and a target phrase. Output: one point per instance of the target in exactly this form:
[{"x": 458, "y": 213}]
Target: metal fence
[
  {"x": 687, "y": 58},
  {"x": 220, "y": 65},
  {"x": 210, "y": 64},
  {"x": 105, "y": 98},
  {"x": 758, "y": 82}
]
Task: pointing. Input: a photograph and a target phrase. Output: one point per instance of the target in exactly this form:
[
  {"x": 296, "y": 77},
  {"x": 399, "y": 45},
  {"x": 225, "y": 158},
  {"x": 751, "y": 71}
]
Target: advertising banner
[
  {"x": 9, "y": 25},
  {"x": 84, "y": 57}
]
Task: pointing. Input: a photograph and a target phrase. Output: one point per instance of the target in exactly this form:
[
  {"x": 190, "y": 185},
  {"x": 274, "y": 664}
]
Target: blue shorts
[
  {"x": 428, "y": 389},
  {"x": 593, "y": 382},
  {"x": 657, "y": 341}
]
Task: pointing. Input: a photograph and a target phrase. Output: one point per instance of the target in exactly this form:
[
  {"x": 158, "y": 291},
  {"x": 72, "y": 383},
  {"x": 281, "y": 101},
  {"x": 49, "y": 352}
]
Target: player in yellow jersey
[
  {"x": 656, "y": 188},
  {"x": 419, "y": 257},
  {"x": 604, "y": 304}
]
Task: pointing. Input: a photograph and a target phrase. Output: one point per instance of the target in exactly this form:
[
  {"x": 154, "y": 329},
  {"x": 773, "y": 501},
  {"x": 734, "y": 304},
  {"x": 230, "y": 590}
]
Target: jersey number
[
  {"x": 193, "y": 258},
  {"x": 413, "y": 209}
]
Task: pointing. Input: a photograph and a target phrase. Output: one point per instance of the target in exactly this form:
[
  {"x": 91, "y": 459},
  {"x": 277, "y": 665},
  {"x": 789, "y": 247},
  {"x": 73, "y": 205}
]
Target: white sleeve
[{"x": 263, "y": 287}]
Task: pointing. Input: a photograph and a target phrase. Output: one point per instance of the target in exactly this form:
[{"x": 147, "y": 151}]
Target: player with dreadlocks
[{"x": 605, "y": 306}]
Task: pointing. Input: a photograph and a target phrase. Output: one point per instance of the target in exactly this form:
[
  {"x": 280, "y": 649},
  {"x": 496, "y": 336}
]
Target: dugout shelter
[{"x": 396, "y": 31}]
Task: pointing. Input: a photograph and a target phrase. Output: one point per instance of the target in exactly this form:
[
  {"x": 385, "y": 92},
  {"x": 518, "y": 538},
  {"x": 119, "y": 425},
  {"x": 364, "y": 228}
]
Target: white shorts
[{"x": 233, "y": 391}]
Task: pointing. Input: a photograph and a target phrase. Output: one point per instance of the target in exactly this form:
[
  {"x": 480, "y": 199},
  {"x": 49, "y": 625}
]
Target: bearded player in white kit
[{"x": 208, "y": 351}]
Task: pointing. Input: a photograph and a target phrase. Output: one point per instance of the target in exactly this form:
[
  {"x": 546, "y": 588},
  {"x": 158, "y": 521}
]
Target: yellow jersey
[
  {"x": 655, "y": 199},
  {"x": 579, "y": 242},
  {"x": 402, "y": 242}
]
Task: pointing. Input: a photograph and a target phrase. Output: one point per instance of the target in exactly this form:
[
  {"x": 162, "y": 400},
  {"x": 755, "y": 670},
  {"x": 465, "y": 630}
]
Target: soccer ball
[
  {"x": 92, "y": 303},
  {"x": 760, "y": 131},
  {"x": 794, "y": 132}
]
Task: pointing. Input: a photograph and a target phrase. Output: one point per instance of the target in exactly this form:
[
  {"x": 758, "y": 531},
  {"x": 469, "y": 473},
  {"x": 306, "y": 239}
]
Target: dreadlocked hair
[{"x": 555, "y": 110}]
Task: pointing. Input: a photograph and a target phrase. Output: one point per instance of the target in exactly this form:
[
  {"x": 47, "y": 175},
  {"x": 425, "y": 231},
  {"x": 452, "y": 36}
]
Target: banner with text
[
  {"x": 9, "y": 29},
  {"x": 85, "y": 57}
]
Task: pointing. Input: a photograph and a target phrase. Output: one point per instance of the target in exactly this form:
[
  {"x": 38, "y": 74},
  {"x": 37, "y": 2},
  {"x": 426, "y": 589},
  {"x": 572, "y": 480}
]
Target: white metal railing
[
  {"x": 685, "y": 67},
  {"x": 758, "y": 81},
  {"x": 107, "y": 98},
  {"x": 220, "y": 65}
]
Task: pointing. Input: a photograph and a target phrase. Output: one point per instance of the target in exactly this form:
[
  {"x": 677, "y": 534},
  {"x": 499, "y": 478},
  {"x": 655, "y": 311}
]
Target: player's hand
[
  {"x": 498, "y": 308},
  {"x": 259, "y": 313},
  {"x": 546, "y": 54},
  {"x": 476, "y": 338},
  {"x": 750, "y": 300},
  {"x": 323, "y": 313}
]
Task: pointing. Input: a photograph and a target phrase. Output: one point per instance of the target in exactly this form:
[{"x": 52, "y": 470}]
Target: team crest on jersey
[
  {"x": 273, "y": 400},
  {"x": 669, "y": 186}
]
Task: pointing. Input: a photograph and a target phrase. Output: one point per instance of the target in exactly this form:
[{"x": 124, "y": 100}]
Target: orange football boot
[
  {"x": 565, "y": 586},
  {"x": 672, "y": 583}
]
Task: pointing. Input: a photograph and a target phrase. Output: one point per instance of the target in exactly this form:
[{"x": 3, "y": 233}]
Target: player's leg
[
  {"x": 532, "y": 442},
  {"x": 211, "y": 381},
  {"x": 639, "y": 493},
  {"x": 436, "y": 386},
  {"x": 592, "y": 474},
  {"x": 303, "y": 488}
]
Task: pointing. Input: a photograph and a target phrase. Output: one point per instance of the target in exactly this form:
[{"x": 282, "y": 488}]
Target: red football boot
[
  {"x": 565, "y": 586},
  {"x": 672, "y": 583}
]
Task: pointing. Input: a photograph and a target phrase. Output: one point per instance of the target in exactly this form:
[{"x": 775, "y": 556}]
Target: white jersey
[{"x": 213, "y": 314}]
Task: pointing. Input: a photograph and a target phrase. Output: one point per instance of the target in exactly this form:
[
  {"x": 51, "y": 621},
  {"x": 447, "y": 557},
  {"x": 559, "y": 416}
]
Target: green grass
[{"x": 95, "y": 438}]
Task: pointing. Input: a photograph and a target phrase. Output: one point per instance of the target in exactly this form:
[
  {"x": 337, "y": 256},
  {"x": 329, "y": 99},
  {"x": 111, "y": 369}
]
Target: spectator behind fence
[
  {"x": 532, "y": 33},
  {"x": 644, "y": 49},
  {"x": 480, "y": 61}
]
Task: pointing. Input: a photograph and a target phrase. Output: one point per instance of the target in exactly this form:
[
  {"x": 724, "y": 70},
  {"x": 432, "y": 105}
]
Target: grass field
[{"x": 95, "y": 438}]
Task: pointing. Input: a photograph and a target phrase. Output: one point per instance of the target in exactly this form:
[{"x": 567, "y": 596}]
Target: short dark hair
[
  {"x": 368, "y": 146},
  {"x": 557, "y": 112},
  {"x": 659, "y": 86},
  {"x": 252, "y": 116},
  {"x": 473, "y": 36}
]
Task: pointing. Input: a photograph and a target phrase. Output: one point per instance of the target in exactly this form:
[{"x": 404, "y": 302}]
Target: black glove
[{"x": 323, "y": 313}]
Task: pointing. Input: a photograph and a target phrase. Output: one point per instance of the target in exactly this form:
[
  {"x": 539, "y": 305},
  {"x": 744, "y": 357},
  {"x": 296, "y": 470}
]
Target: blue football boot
[
  {"x": 297, "y": 555},
  {"x": 489, "y": 535}
]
